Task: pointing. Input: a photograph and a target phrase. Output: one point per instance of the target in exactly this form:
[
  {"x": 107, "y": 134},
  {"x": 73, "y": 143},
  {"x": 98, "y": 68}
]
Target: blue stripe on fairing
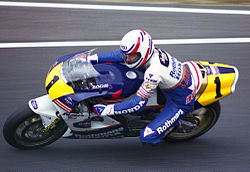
[
  {"x": 129, "y": 49},
  {"x": 226, "y": 70}
]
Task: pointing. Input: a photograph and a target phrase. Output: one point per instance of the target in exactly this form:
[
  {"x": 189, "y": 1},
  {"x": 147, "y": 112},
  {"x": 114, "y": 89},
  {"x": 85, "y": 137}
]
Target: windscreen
[{"x": 79, "y": 73}]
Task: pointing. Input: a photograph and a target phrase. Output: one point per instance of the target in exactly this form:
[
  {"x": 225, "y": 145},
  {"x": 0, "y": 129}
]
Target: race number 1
[{"x": 218, "y": 87}]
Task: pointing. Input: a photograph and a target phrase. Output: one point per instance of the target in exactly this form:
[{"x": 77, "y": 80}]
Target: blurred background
[{"x": 198, "y": 2}]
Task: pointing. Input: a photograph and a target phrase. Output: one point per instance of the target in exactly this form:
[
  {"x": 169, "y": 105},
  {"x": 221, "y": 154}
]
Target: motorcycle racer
[{"x": 179, "y": 83}]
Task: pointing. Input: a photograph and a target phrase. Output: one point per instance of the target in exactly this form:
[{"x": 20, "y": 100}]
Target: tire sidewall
[{"x": 13, "y": 121}]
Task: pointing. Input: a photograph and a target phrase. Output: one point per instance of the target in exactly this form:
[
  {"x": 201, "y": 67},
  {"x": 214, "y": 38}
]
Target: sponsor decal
[
  {"x": 191, "y": 96},
  {"x": 124, "y": 47},
  {"x": 148, "y": 131},
  {"x": 34, "y": 104},
  {"x": 170, "y": 122},
  {"x": 131, "y": 110},
  {"x": 163, "y": 59},
  {"x": 72, "y": 116},
  {"x": 147, "y": 85},
  {"x": 150, "y": 80},
  {"x": 101, "y": 86},
  {"x": 215, "y": 70},
  {"x": 51, "y": 125},
  {"x": 150, "y": 75},
  {"x": 68, "y": 100},
  {"x": 212, "y": 70},
  {"x": 186, "y": 79},
  {"x": 208, "y": 70},
  {"x": 176, "y": 69}
]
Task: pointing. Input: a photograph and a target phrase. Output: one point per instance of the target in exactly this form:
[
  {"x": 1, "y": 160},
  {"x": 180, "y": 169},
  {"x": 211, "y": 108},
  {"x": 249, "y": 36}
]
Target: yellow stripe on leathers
[
  {"x": 59, "y": 88},
  {"x": 226, "y": 80}
]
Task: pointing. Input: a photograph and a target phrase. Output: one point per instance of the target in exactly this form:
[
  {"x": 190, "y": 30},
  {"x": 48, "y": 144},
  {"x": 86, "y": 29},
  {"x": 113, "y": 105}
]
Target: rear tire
[
  {"x": 196, "y": 123},
  {"x": 24, "y": 130}
]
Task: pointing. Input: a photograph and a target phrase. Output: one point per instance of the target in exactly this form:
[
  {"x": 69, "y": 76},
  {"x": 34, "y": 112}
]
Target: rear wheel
[
  {"x": 24, "y": 130},
  {"x": 195, "y": 123}
]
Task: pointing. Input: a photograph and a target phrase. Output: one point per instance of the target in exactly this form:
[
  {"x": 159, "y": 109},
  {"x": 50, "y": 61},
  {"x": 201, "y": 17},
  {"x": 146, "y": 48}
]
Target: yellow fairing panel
[
  {"x": 219, "y": 84},
  {"x": 59, "y": 88},
  {"x": 215, "y": 64}
]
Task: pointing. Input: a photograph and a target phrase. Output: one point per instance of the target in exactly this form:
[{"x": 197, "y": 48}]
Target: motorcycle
[{"x": 74, "y": 85}]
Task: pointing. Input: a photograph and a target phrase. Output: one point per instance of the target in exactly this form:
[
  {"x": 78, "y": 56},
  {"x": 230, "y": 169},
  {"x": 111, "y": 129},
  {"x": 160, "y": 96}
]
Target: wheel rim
[
  {"x": 30, "y": 133},
  {"x": 194, "y": 124}
]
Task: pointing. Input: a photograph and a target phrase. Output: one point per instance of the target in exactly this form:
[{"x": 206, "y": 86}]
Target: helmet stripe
[
  {"x": 136, "y": 47},
  {"x": 151, "y": 44},
  {"x": 135, "y": 67},
  {"x": 143, "y": 32},
  {"x": 145, "y": 59},
  {"x": 141, "y": 37}
]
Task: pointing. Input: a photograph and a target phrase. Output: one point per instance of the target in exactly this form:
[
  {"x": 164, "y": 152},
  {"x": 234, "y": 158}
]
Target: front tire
[
  {"x": 195, "y": 123},
  {"x": 24, "y": 130}
]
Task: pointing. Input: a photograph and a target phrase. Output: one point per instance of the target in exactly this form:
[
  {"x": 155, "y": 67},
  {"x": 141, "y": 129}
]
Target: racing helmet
[{"x": 137, "y": 43}]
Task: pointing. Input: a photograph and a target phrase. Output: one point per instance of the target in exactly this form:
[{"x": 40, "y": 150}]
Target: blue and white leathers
[{"x": 179, "y": 83}]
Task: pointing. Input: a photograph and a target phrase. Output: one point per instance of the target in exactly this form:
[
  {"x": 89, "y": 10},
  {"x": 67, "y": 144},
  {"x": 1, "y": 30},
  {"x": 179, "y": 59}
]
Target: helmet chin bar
[{"x": 135, "y": 58}]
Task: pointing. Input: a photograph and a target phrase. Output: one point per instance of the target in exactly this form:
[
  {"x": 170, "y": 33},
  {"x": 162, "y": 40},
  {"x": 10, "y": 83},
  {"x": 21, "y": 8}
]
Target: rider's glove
[
  {"x": 93, "y": 58},
  {"x": 103, "y": 110}
]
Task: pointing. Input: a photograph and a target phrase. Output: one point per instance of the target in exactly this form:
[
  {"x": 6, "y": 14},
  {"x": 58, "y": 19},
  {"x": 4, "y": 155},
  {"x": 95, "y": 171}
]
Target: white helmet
[{"x": 139, "y": 42}]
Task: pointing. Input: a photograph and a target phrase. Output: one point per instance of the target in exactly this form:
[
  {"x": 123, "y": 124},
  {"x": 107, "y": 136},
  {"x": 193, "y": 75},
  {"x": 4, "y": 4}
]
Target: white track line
[
  {"x": 117, "y": 43},
  {"x": 125, "y": 8}
]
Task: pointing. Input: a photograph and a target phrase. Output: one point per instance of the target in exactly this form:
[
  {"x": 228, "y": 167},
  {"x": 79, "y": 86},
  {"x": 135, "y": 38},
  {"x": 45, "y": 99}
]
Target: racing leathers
[{"x": 178, "y": 82}]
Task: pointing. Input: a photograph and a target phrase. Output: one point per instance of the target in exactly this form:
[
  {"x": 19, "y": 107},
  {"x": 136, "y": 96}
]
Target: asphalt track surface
[{"x": 226, "y": 147}]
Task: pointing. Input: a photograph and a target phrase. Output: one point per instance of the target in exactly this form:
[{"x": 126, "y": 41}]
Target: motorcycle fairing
[
  {"x": 111, "y": 81},
  {"x": 57, "y": 88},
  {"x": 123, "y": 82},
  {"x": 219, "y": 80},
  {"x": 45, "y": 108}
]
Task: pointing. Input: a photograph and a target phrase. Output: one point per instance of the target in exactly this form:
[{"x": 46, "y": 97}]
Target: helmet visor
[{"x": 131, "y": 58}]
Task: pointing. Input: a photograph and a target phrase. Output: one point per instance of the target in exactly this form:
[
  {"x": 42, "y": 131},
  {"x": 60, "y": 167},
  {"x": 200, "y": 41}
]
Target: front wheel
[
  {"x": 24, "y": 130},
  {"x": 195, "y": 123}
]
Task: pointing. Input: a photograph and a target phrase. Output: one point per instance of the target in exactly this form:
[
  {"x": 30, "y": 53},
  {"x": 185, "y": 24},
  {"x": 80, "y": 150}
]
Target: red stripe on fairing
[
  {"x": 145, "y": 59},
  {"x": 196, "y": 74},
  {"x": 62, "y": 105},
  {"x": 137, "y": 46},
  {"x": 117, "y": 94},
  {"x": 107, "y": 63},
  {"x": 144, "y": 33}
]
